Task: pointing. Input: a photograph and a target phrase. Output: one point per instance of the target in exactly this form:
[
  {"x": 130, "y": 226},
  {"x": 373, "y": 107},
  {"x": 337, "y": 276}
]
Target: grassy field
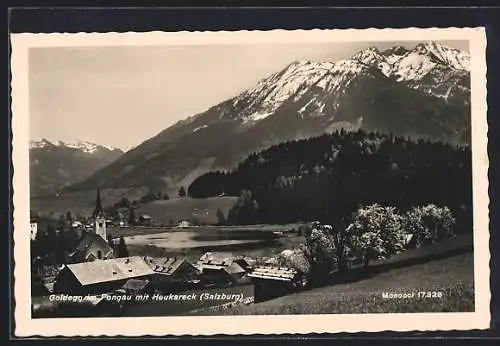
[
  {"x": 452, "y": 276},
  {"x": 170, "y": 308},
  {"x": 174, "y": 210}
]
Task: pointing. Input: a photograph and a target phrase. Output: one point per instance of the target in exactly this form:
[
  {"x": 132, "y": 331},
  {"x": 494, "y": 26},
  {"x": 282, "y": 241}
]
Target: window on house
[{"x": 99, "y": 254}]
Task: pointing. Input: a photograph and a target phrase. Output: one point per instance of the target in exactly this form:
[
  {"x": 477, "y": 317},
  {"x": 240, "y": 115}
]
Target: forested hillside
[{"x": 327, "y": 178}]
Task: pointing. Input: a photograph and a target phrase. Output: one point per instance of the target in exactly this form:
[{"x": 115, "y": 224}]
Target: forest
[{"x": 328, "y": 178}]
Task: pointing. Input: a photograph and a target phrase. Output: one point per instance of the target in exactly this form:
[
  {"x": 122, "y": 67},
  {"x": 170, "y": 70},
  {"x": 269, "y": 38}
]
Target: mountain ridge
[
  {"x": 57, "y": 164},
  {"x": 411, "y": 92}
]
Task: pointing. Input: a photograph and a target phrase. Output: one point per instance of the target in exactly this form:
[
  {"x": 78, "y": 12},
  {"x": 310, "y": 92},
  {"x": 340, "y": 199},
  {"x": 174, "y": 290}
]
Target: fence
[{"x": 225, "y": 306}]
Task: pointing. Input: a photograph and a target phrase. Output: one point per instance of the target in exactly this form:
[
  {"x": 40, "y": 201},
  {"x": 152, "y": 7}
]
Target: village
[{"x": 96, "y": 276}]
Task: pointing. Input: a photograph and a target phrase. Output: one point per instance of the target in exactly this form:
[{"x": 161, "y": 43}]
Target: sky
[{"x": 121, "y": 96}]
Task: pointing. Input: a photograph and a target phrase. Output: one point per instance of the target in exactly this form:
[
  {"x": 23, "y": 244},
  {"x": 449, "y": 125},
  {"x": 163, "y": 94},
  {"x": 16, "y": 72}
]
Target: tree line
[
  {"x": 327, "y": 178},
  {"x": 124, "y": 209},
  {"x": 56, "y": 240},
  {"x": 375, "y": 232}
]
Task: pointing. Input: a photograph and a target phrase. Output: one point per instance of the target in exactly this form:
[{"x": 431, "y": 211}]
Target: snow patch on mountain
[
  {"x": 199, "y": 128},
  {"x": 450, "y": 56},
  {"x": 83, "y": 146}
]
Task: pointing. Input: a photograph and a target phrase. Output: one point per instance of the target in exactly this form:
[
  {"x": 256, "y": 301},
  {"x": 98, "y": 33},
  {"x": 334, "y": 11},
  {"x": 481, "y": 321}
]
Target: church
[{"x": 94, "y": 244}]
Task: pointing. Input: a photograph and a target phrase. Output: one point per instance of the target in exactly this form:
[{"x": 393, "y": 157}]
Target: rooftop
[
  {"x": 88, "y": 273},
  {"x": 165, "y": 265},
  {"x": 274, "y": 273}
]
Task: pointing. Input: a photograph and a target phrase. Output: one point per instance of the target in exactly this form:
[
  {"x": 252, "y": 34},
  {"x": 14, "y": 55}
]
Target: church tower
[{"x": 99, "y": 218}]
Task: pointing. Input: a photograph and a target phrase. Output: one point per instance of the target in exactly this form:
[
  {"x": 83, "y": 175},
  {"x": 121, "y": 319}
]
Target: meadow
[{"x": 452, "y": 276}]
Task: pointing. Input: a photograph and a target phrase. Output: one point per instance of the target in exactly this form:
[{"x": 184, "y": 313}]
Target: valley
[{"x": 419, "y": 93}]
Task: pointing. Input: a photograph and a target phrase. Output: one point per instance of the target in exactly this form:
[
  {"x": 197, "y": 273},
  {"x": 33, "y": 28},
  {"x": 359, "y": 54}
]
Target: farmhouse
[
  {"x": 184, "y": 224},
  {"x": 33, "y": 230},
  {"x": 223, "y": 270},
  {"x": 145, "y": 220},
  {"x": 174, "y": 268},
  {"x": 272, "y": 282},
  {"x": 172, "y": 273},
  {"x": 100, "y": 276},
  {"x": 135, "y": 286}
]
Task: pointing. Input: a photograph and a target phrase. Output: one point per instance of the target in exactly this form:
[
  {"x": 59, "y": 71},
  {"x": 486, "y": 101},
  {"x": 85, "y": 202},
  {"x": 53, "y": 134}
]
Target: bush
[
  {"x": 294, "y": 259},
  {"x": 244, "y": 210},
  {"x": 429, "y": 224},
  {"x": 320, "y": 251},
  {"x": 376, "y": 232},
  {"x": 149, "y": 197}
]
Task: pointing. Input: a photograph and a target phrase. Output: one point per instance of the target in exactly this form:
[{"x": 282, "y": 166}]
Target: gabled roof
[
  {"x": 166, "y": 265},
  {"x": 92, "y": 239},
  {"x": 90, "y": 242},
  {"x": 135, "y": 285},
  {"x": 88, "y": 273},
  {"x": 231, "y": 269},
  {"x": 274, "y": 273}
]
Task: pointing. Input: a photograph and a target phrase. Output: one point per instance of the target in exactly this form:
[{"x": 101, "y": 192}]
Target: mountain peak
[
  {"x": 444, "y": 54},
  {"x": 84, "y": 146},
  {"x": 396, "y": 50}
]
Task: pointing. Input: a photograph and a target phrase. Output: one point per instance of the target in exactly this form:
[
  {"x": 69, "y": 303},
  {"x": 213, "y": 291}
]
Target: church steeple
[
  {"x": 99, "y": 218},
  {"x": 98, "y": 210}
]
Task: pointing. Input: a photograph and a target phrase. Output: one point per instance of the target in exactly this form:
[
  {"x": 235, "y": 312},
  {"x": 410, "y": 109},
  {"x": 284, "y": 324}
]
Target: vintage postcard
[{"x": 250, "y": 182}]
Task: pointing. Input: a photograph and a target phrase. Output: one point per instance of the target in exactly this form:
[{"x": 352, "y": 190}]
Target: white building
[{"x": 33, "y": 230}]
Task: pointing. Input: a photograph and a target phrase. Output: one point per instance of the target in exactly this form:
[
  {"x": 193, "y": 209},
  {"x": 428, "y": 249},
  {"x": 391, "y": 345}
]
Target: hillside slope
[
  {"x": 418, "y": 93},
  {"x": 55, "y": 165}
]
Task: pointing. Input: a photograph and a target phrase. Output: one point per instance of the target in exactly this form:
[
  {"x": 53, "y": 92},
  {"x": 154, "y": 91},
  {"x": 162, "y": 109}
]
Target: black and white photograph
[{"x": 321, "y": 176}]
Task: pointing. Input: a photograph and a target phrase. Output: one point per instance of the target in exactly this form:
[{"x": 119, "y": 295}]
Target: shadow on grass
[{"x": 435, "y": 252}]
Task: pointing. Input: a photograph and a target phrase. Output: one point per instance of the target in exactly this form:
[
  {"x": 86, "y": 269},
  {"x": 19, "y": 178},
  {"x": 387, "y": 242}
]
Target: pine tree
[
  {"x": 121, "y": 249},
  {"x": 221, "y": 218},
  {"x": 69, "y": 217},
  {"x": 131, "y": 216}
]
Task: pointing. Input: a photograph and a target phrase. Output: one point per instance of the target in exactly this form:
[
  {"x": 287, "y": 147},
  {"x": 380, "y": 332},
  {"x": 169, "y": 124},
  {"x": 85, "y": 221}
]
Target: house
[
  {"x": 92, "y": 247},
  {"x": 272, "y": 282},
  {"x": 99, "y": 277},
  {"x": 145, "y": 220},
  {"x": 76, "y": 224},
  {"x": 184, "y": 224},
  {"x": 176, "y": 268},
  {"x": 135, "y": 286},
  {"x": 173, "y": 273},
  {"x": 223, "y": 271},
  {"x": 33, "y": 229}
]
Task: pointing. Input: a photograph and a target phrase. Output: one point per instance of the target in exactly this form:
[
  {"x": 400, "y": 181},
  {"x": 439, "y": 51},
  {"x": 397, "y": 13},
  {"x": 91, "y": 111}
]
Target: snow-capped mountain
[
  {"x": 421, "y": 92},
  {"x": 430, "y": 67},
  {"x": 83, "y": 146},
  {"x": 56, "y": 164}
]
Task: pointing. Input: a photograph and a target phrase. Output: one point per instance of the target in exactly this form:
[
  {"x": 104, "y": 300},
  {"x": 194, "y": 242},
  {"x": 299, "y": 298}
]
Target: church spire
[{"x": 98, "y": 211}]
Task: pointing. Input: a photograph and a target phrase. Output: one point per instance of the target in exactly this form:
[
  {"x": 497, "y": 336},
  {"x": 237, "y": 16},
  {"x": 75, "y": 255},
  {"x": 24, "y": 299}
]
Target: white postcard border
[{"x": 245, "y": 325}]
